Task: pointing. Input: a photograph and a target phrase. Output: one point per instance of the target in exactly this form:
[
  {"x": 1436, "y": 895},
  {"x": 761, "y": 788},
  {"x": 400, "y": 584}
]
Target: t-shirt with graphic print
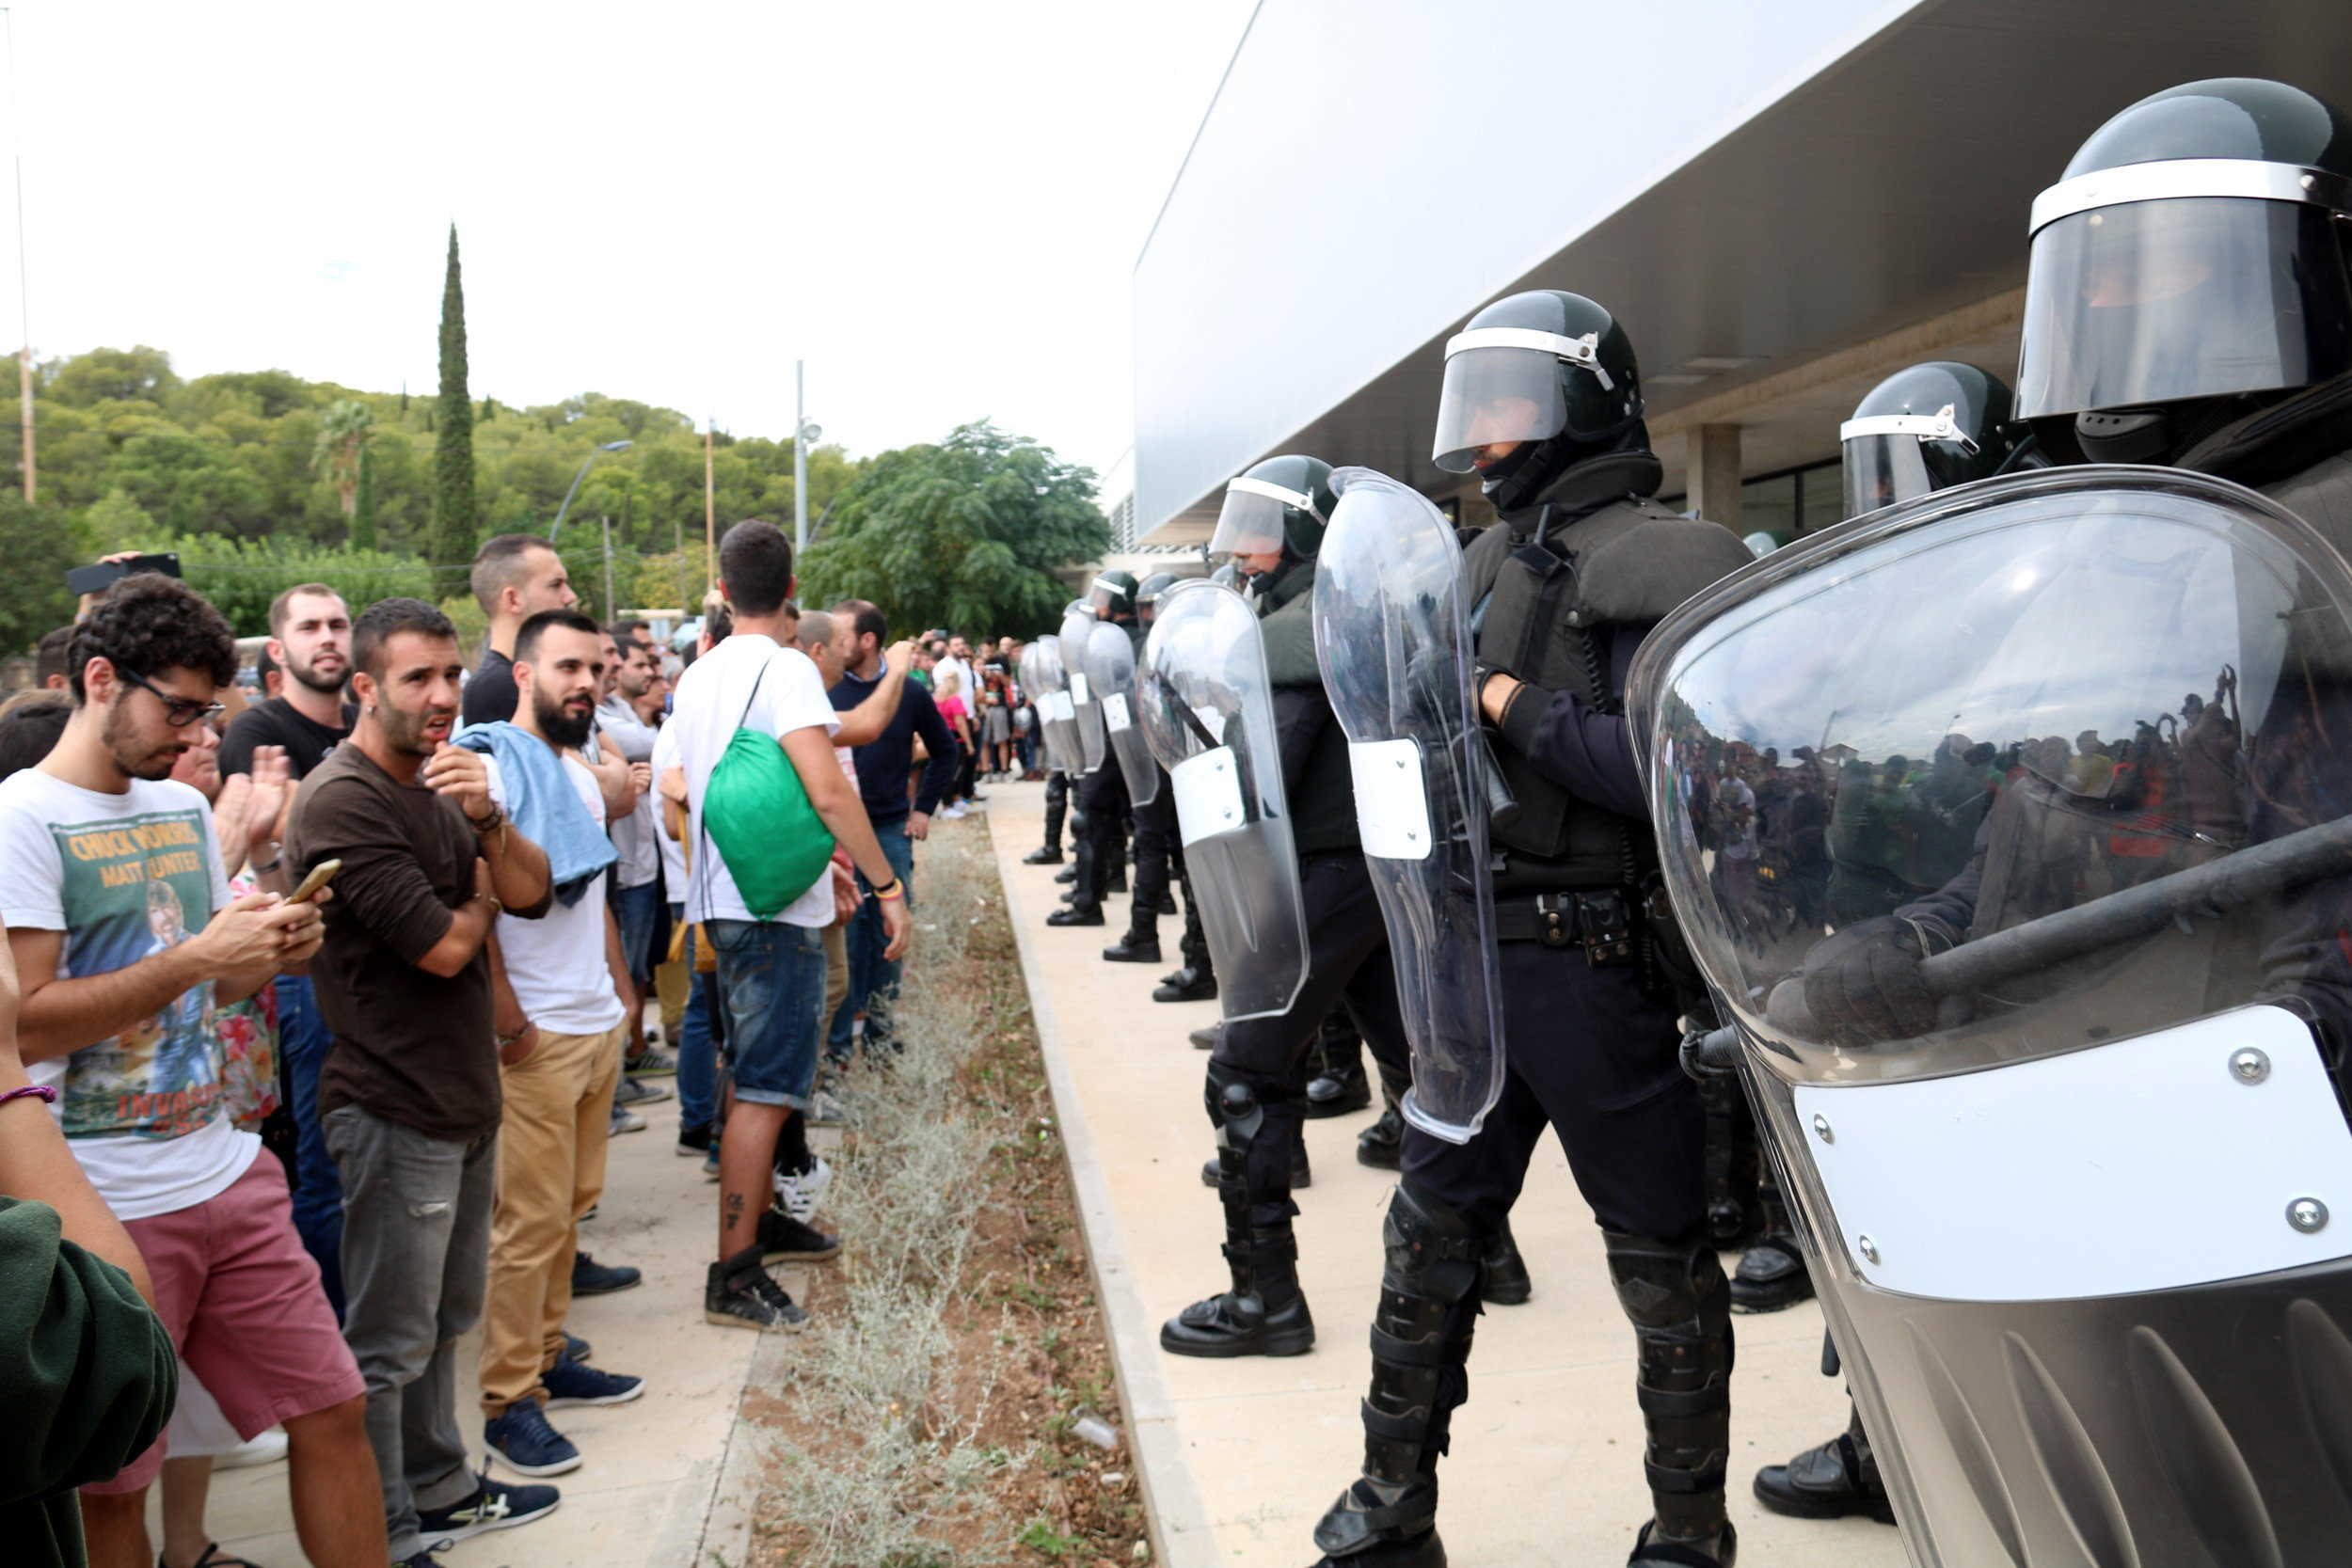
[{"x": 125, "y": 876}]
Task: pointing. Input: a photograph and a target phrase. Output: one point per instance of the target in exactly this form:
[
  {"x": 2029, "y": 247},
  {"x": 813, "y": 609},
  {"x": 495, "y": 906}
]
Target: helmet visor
[
  {"x": 1884, "y": 468},
  {"x": 1102, "y": 594},
  {"x": 1492, "y": 395},
  {"x": 2190, "y": 298},
  {"x": 1251, "y": 521}
]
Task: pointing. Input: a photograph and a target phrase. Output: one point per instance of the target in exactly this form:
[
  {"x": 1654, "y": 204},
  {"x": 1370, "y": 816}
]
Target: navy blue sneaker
[
  {"x": 529, "y": 1446},
  {"x": 491, "y": 1507},
  {"x": 578, "y": 1349},
  {"x": 592, "y": 1278},
  {"x": 569, "y": 1383}
]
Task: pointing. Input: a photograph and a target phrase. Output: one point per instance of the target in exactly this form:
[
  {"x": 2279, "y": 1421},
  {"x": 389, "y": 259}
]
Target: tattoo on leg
[{"x": 735, "y": 1205}]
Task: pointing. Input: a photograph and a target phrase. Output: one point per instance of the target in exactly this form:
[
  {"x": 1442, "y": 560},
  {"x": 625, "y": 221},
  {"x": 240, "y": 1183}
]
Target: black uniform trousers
[
  {"x": 1347, "y": 964},
  {"x": 1102, "y": 796},
  {"x": 1154, "y": 846},
  {"x": 1595, "y": 1057}
]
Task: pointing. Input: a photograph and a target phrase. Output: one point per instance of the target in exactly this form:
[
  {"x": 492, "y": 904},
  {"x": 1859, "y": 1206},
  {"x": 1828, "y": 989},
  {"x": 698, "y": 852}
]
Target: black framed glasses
[{"x": 178, "y": 712}]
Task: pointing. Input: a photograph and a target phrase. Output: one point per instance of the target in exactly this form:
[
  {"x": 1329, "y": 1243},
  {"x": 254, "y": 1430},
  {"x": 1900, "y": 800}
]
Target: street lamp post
[
  {"x": 802, "y": 433},
  {"x": 609, "y": 446}
]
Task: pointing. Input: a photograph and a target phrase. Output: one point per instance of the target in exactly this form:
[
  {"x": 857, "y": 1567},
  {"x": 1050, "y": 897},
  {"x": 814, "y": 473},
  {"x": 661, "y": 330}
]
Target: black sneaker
[
  {"x": 738, "y": 1293},
  {"x": 696, "y": 1139},
  {"x": 493, "y": 1506},
  {"x": 569, "y": 1383},
  {"x": 781, "y": 1235},
  {"x": 592, "y": 1278},
  {"x": 526, "y": 1444},
  {"x": 578, "y": 1349}
]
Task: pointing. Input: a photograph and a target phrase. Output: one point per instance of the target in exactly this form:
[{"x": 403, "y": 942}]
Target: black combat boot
[
  {"x": 1133, "y": 949},
  {"x": 1420, "y": 1341},
  {"x": 1068, "y": 874},
  {"x": 1675, "y": 1295},
  {"x": 1381, "y": 1146},
  {"x": 1076, "y": 914},
  {"x": 1833, "y": 1482},
  {"x": 1205, "y": 1040},
  {"x": 1188, "y": 985},
  {"x": 1772, "y": 1274},
  {"x": 1046, "y": 854},
  {"x": 1338, "y": 1085},
  {"x": 1302, "y": 1177},
  {"x": 1507, "y": 1282},
  {"x": 1264, "y": 1313}
]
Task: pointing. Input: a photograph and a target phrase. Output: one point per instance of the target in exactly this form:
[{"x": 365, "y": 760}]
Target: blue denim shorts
[{"x": 772, "y": 982}]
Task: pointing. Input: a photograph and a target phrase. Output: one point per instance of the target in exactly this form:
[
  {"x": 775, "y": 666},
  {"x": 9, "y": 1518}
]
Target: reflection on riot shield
[
  {"x": 1111, "y": 665},
  {"x": 2040, "y": 996},
  {"x": 1393, "y": 635},
  {"x": 1077, "y": 634},
  {"x": 1051, "y": 697},
  {"x": 1207, "y": 713}
]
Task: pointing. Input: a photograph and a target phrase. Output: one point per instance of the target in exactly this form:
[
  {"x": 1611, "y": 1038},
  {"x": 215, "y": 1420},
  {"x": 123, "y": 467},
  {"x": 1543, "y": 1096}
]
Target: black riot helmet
[
  {"x": 1148, "y": 594},
  {"x": 1112, "y": 596},
  {"x": 1549, "y": 370},
  {"x": 1279, "y": 506},
  {"x": 1928, "y": 427},
  {"x": 2190, "y": 261}
]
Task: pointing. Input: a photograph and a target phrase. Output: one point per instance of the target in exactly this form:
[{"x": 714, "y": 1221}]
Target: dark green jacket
[
  {"x": 87, "y": 1378},
  {"x": 1314, "y": 748}
]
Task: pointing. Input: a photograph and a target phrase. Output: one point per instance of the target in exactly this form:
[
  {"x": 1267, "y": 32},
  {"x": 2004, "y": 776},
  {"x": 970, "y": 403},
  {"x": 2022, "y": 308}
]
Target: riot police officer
[
  {"x": 1195, "y": 980},
  {"x": 1542, "y": 399},
  {"x": 1927, "y": 427},
  {"x": 1100, "y": 821},
  {"x": 1271, "y": 526}
]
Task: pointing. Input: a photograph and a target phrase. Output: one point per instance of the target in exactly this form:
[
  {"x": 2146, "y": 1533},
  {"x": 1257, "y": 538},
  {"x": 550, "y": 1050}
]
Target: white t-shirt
[
  {"x": 964, "y": 688},
  {"x": 125, "y": 876},
  {"x": 673, "y": 852},
  {"x": 709, "y": 709},
  {"x": 556, "y": 962},
  {"x": 622, "y": 730}
]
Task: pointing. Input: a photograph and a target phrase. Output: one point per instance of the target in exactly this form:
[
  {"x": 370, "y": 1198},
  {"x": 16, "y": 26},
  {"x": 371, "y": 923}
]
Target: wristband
[
  {"x": 489, "y": 824},
  {"x": 46, "y": 1092},
  {"x": 896, "y": 888}
]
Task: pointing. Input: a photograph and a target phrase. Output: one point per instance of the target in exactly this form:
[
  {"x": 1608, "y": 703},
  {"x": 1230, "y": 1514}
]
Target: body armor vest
[{"x": 1547, "y": 606}]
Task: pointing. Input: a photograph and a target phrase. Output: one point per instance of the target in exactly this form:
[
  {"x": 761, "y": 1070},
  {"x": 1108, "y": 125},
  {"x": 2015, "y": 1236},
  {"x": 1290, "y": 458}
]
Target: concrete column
[{"x": 1711, "y": 473}]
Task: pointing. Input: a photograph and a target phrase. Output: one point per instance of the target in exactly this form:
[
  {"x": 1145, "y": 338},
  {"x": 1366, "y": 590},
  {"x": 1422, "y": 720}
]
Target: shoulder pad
[{"x": 1649, "y": 559}]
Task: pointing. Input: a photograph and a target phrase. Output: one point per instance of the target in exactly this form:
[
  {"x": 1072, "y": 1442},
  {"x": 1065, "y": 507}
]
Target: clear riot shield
[
  {"x": 2041, "y": 972},
  {"x": 1051, "y": 697},
  {"x": 1393, "y": 635},
  {"x": 1077, "y": 636},
  {"x": 1111, "y": 671},
  {"x": 1207, "y": 713}
]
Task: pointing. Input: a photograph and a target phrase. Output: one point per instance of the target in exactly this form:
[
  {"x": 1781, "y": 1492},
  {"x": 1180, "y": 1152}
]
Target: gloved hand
[{"x": 1863, "y": 985}]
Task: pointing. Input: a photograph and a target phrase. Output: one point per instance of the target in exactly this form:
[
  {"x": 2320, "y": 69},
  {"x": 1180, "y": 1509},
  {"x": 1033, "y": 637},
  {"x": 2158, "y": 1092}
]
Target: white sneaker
[
  {"x": 952, "y": 811},
  {"x": 625, "y": 1121},
  {"x": 798, "y": 1195},
  {"x": 828, "y": 1109},
  {"x": 268, "y": 1448}
]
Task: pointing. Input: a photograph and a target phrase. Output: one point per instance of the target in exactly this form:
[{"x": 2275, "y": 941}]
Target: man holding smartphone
[
  {"x": 125, "y": 940},
  {"x": 409, "y": 1097}
]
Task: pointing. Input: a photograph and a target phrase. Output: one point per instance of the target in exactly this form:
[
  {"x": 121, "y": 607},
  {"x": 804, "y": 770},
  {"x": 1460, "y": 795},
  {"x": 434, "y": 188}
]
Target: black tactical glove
[{"x": 1863, "y": 985}]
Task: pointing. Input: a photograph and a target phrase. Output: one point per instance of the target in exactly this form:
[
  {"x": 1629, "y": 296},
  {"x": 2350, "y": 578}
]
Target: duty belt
[{"x": 1598, "y": 920}]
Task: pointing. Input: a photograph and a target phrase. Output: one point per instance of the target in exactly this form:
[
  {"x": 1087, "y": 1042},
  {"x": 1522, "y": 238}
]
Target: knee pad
[
  {"x": 1432, "y": 1252},
  {"x": 1680, "y": 1306}
]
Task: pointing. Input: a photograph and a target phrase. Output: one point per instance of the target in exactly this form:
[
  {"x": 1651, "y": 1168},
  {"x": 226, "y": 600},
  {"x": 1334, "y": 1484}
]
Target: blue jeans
[
  {"x": 303, "y": 1040},
  {"x": 697, "y": 1041},
  {"x": 771, "y": 983},
  {"x": 637, "y": 911},
  {"x": 872, "y": 977}
]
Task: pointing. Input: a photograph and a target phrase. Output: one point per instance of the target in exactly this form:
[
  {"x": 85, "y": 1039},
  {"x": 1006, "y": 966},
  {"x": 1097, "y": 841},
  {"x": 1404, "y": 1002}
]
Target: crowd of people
[{"x": 333, "y": 978}]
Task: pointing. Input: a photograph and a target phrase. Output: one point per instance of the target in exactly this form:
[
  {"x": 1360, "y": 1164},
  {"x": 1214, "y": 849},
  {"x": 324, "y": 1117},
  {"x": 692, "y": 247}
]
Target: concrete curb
[
  {"x": 726, "y": 1533},
  {"x": 1179, "y": 1521}
]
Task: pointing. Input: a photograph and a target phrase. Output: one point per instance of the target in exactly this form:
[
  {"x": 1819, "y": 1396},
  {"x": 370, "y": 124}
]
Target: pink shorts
[{"x": 243, "y": 1304}]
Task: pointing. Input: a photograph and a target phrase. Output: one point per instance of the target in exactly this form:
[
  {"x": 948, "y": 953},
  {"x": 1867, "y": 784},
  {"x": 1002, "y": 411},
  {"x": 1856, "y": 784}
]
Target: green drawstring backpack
[{"x": 755, "y": 810}]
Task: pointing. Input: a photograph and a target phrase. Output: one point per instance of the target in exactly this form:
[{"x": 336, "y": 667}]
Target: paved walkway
[{"x": 1240, "y": 1457}]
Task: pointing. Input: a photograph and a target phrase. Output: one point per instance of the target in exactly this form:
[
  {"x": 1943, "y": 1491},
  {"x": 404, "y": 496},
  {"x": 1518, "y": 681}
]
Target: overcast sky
[{"x": 937, "y": 205}]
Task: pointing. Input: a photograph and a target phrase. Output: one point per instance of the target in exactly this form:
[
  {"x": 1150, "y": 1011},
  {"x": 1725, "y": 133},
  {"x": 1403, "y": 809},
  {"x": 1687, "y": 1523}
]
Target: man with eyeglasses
[{"x": 125, "y": 942}]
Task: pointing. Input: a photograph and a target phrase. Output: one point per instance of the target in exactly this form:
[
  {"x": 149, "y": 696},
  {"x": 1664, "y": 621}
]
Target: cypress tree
[
  {"x": 363, "y": 507},
  {"x": 453, "y": 519}
]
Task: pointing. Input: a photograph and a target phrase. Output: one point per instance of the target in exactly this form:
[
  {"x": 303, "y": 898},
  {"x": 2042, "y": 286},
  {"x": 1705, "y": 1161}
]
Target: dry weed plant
[{"x": 878, "y": 1371}]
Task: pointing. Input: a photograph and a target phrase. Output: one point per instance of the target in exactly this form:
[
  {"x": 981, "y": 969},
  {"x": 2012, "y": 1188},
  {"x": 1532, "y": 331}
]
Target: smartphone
[
  {"x": 100, "y": 575},
  {"x": 320, "y": 875}
]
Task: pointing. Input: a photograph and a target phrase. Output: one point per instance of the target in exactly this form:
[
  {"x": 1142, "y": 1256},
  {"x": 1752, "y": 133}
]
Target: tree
[
  {"x": 967, "y": 534},
  {"x": 455, "y": 520},
  {"x": 363, "y": 505},
  {"x": 39, "y": 547},
  {"x": 341, "y": 442}
]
